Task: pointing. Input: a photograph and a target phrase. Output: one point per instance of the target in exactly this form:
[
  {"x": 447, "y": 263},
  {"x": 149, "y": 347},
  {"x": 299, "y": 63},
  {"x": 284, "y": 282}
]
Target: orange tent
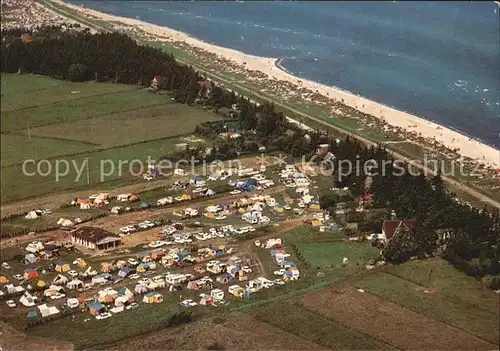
[{"x": 30, "y": 274}]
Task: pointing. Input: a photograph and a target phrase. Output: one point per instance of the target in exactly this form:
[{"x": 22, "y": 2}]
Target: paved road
[{"x": 453, "y": 182}]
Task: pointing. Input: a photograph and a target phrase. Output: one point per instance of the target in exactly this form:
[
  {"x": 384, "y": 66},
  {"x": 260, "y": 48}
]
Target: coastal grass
[
  {"x": 453, "y": 301},
  {"x": 308, "y": 325}
]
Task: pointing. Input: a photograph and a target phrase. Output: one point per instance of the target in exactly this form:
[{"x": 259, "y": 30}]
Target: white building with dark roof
[{"x": 95, "y": 238}]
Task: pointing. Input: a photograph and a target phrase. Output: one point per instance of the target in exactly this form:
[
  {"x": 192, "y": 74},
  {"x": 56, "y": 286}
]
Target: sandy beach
[{"x": 420, "y": 127}]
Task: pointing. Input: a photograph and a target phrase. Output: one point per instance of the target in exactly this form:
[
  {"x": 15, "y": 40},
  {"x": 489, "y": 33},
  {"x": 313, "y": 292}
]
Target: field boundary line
[
  {"x": 19, "y": 133},
  {"x": 470, "y": 332},
  {"x": 83, "y": 118},
  {"x": 299, "y": 304},
  {"x": 75, "y": 99},
  {"x": 102, "y": 149}
]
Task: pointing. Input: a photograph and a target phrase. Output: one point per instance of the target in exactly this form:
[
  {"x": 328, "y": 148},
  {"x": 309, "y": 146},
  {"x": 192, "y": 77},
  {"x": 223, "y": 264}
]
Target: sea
[{"x": 437, "y": 60}]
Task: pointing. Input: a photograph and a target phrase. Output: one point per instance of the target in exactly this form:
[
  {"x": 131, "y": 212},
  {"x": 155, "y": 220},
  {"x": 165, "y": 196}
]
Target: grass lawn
[
  {"x": 17, "y": 149},
  {"x": 460, "y": 302},
  {"x": 16, "y": 185},
  {"x": 21, "y": 84},
  {"x": 328, "y": 254},
  {"x": 14, "y": 97},
  {"x": 90, "y": 124},
  {"x": 125, "y": 127},
  {"x": 99, "y": 333},
  {"x": 439, "y": 274},
  {"x": 299, "y": 321},
  {"x": 83, "y": 108}
]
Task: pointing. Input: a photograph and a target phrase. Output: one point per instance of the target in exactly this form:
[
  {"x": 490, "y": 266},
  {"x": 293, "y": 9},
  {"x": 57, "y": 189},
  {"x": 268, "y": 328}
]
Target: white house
[{"x": 95, "y": 238}]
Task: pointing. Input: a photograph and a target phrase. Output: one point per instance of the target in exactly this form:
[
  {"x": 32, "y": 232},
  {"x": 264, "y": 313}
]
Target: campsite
[{"x": 254, "y": 251}]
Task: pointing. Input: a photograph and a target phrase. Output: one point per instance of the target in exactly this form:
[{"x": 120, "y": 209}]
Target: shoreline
[
  {"x": 392, "y": 120},
  {"x": 279, "y": 64}
]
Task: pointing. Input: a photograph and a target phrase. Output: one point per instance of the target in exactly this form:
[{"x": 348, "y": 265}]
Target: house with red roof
[{"x": 390, "y": 228}]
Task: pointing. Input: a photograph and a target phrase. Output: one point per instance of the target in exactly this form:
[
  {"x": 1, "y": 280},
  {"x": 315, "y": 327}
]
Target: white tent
[
  {"x": 65, "y": 222},
  {"x": 31, "y": 215},
  {"x": 84, "y": 206},
  {"x": 60, "y": 280},
  {"x": 27, "y": 299},
  {"x": 46, "y": 311},
  {"x": 75, "y": 284},
  {"x": 116, "y": 209}
]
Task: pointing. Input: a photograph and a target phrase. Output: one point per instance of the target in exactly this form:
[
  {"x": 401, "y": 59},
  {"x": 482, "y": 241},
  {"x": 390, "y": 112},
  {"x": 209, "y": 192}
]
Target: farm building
[{"x": 95, "y": 238}]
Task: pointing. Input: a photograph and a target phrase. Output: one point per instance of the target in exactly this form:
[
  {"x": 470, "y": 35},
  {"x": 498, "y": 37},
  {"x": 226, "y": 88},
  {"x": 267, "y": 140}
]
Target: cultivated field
[
  {"x": 230, "y": 332},
  {"x": 44, "y": 118},
  {"x": 388, "y": 321}
]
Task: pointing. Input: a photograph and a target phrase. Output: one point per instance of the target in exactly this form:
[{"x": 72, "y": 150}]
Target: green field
[
  {"x": 95, "y": 334},
  {"x": 458, "y": 300},
  {"x": 84, "y": 108},
  {"x": 327, "y": 254},
  {"x": 16, "y": 148},
  {"x": 28, "y": 91},
  {"x": 79, "y": 121},
  {"x": 157, "y": 121}
]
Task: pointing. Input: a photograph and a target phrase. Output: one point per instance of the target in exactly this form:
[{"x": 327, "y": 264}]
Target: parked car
[
  {"x": 188, "y": 303},
  {"x": 18, "y": 277},
  {"x": 57, "y": 296},
  {"x": 132, "y": 306},
  {"x": 10, "y": 303},
  {"x": 134, "y": 276},
  {"x": 235, "y": 192},
  {"x": 103, "y": 315},
  {"x": 246, "y": 269},
  {"x": 132, "y": 262},
  {"x": 279, "y": 282},
  {"x": 5, "y": 265},
  {"x": 279, "y": 272}
]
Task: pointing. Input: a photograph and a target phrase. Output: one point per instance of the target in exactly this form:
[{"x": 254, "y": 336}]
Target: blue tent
[
  {"x": 125, "y": 271},
  {"x": 32, "y": 314},
  {"x": 252, "y": 181}
]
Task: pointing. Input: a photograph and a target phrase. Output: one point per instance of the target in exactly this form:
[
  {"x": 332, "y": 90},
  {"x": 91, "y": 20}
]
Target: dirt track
[{"x": 389, "y": 322}]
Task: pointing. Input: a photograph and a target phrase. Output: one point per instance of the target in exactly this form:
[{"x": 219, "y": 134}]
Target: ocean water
[{"x": 437, "y": 60}]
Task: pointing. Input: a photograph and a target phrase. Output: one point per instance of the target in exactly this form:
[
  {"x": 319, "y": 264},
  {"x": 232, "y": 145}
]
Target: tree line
[{"x": 472, "y": 243}]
